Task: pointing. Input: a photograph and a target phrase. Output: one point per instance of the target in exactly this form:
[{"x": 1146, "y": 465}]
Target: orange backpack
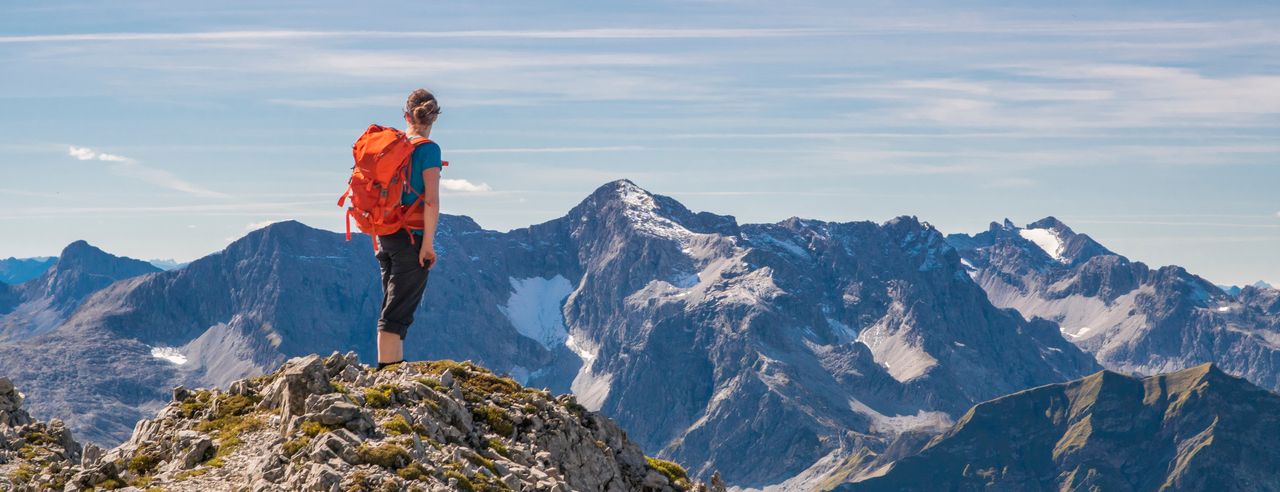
[{"x": 378, "y": 179}]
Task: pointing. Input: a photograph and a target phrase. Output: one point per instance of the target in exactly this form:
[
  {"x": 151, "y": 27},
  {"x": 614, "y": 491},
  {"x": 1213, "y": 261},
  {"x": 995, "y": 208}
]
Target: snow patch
[
  {"x": 169, "y": 354},
  {"x": 535, "y": 308},
  {"x": 590, "y": 388},
  {"x": 642, "y": 211},
  {"x": 969, "y": 268},
  {"x": 685, "y": 280},
  {"x": 1047, "y": 240},
  {"x": 897, "y": 351}
]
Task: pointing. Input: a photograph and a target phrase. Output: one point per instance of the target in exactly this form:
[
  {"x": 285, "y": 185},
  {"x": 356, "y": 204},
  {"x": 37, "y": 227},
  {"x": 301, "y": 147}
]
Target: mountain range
[
  {"x": 19, "y": 270},
  {"x": 1132, "y": 317},
  {"x": 1194, "y": 429},
  {"x": 707, "y": 340}
]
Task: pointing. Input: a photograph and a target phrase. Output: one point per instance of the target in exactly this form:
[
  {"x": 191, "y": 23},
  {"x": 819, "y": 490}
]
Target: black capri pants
[{"x": 403, "y": 281}]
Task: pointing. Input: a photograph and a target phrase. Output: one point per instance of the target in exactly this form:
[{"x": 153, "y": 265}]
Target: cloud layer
[{"x": 124, "y": 166}]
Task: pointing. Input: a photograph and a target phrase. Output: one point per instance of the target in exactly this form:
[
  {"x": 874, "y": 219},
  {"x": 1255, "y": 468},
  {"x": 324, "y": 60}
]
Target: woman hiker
[{"x": 406, "y": 261}]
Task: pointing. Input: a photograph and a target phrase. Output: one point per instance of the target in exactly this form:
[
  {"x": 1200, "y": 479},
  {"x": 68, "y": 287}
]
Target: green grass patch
[
  {"x": 227, "y": 430},
  {"x": 143, "y": 462},
  {"x": 438, "y": 367},
  {"x": 379, "y": 396},
  {"x": 229, "y": 405},
  {"x": 432, "y": 383},
  {"x": 141, "y": 481},
  {"x": 499, "y": 447},
  {"x": 674, "y": 472},
  {"x": 464, "y": 483},
  {"x": 481, "y": 461},
  {"x": 312, "y": 428},
  {"x": 495, "y": 418},
  {"x": 385, "y": 455},
  {"x": 489, "y": 384},
  {"x": 38, "y": 437},
  {"x": 397, "y": 426},
  {"x": 292, "y": 446},
  {"x": 413, "y": 471},
  {"x": 185, "y": 474},
  {"x": 23, "y": 473},
  {"x": 196, "y": 404}
]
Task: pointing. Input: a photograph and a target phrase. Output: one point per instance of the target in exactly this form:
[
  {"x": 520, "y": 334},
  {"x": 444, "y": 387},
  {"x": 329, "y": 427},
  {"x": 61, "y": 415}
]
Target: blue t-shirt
[{"x": 425, "y": 157}]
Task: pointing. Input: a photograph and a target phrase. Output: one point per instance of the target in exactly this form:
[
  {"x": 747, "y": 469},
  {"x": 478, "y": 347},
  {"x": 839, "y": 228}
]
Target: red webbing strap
[
  {"x": 348, "y": 224},
  {"x": 405, "y": 218},
  {"x": 342, "y": 199}
]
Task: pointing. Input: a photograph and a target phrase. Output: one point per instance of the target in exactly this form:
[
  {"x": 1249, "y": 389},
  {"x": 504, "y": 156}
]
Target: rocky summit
[
  {"x": 1195, "y": 429},
  {"x": 332, "y": 424}
]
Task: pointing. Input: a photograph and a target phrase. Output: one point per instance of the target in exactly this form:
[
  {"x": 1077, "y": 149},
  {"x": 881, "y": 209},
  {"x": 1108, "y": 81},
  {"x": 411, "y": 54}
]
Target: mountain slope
[
  {"x": 1196, "y": 429},
  {"x": 41, "y": 304},
  {"x": 707, "y": 340},
  {"x": 15, "y": 271},
  {"x": 1132, "y": 317},
  {"x": 331, "y": 424}
]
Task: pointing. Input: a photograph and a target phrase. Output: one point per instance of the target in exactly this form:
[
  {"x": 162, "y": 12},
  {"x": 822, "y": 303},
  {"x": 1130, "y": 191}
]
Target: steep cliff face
[
  {"x": 332, "y": 424},
  {"x": 1132, "y": 317},
  {"x": 1195, "y": 429},
  {"x": 706, "y": 339}
]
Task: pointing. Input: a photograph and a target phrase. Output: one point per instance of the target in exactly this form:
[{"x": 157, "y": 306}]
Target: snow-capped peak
[
  {"x": 641, "y": 208},
  {"x": 1048, "y": 240}
]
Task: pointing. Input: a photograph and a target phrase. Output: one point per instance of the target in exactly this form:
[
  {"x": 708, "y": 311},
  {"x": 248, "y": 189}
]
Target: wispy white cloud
[
  {"x": 463, "y": 186},
  {"x": 87, "y": 154},
  {"x": 124, "y": 166}
]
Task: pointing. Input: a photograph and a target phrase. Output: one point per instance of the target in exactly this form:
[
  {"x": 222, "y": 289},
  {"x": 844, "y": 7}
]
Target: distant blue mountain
[
  {"x": 19, "y": 270},
  {"x": 1234, "y": 290},
  {"x": 169, "y": 264}
]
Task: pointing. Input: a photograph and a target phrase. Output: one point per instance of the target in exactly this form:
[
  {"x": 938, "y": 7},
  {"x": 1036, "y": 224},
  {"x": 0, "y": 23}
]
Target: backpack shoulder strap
[{"x": 422, "y": 140}]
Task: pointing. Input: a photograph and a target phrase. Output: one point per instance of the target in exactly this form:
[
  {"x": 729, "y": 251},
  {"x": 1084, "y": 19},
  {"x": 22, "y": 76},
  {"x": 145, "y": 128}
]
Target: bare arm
[{"x": 430, "y": 215}]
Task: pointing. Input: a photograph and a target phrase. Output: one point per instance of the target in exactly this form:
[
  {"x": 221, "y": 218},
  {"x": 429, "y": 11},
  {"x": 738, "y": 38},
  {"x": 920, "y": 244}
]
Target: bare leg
[{"x": 390, "y": 347}]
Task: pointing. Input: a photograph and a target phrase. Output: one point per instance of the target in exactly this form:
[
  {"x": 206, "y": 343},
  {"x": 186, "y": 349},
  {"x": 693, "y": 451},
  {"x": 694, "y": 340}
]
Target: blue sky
[{"x": 163, "y": 131}]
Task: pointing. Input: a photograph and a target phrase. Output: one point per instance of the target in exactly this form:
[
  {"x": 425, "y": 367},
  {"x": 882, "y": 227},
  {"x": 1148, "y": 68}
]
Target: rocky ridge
[
  {"x": 331, "y": 424},
  {"x": 1195, "y": 429},
  {"x": 1132, "y": 317}
]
